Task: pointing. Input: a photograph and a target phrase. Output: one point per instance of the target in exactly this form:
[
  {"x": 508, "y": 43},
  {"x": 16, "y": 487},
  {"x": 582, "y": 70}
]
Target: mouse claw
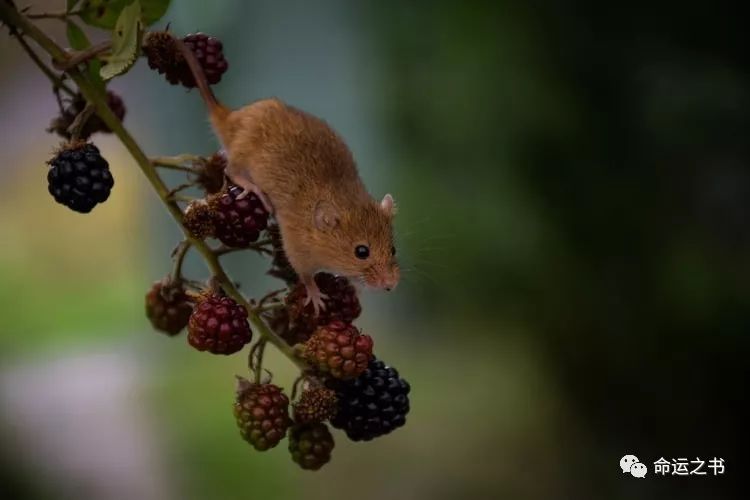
[{"x": 316, "y": 297}]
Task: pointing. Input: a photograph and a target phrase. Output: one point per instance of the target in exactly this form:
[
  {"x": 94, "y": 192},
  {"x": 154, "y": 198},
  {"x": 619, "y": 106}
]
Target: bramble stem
[
  {"x": 57, "y": 83},
  {"x": 76, "y": 58},
  {"x": 10, "y": 16},
  {"x": 176, "y": 161},
  {"x": 80, "y": 121}
]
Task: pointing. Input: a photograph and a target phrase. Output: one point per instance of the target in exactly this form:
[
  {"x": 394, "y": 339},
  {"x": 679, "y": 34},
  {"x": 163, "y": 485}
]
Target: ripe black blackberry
[
  {"x": 79, "y": 177},
  {"x": 310, "y": 445},
  {"x": 167, "y": 308},
  {"x": 164, "y": 56},
  {"x": 371, "y": 405},
  {"x": 262, "y": 413},
  {"x": 237, "y": 223},
  {"x": 342, "y": 303},
  {"x": 218, "y": 325},
  {"x": 94, "y": 124}
]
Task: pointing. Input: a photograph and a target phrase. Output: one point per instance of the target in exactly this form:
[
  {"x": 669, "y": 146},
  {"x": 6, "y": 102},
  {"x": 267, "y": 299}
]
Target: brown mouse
[{"x": 306, "y": 177}]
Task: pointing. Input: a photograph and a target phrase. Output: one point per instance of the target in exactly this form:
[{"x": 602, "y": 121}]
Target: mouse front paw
[{"x": 316, "y": 298}]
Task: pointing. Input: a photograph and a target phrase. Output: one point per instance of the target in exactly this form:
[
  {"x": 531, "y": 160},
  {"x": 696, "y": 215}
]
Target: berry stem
[
  {"x": 15, "y": 20},
  {"x": 53, "y": 15},
  {"x": 79, "y": 57},
  {"x": 57, "y": 82},
  {"x": 177, "y": 162},
  {"x": 179, "y": 257},
  {"x": 80, "y": 121}
]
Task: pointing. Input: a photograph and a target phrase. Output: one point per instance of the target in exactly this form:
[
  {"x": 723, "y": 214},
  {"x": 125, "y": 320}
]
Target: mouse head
[{"x": 358, "y": 242}]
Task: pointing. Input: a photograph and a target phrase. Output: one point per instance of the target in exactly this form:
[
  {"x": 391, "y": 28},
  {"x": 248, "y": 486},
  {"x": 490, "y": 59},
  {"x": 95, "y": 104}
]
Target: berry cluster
[{"x": 343, "y": 384}]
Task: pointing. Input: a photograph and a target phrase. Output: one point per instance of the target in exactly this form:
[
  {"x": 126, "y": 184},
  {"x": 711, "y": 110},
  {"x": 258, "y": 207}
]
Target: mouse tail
[{"x": 217, "y": 110}]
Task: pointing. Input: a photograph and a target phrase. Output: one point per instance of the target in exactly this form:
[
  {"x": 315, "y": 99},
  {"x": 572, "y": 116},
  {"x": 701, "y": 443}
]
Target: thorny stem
[
  {"x": 57, "y": 83},
  {"x": 76, "y": 58},
  {"x": 176, "y": 161},
  {"x": 54, "y": 15},
  {"x": 92, "y": 94}
]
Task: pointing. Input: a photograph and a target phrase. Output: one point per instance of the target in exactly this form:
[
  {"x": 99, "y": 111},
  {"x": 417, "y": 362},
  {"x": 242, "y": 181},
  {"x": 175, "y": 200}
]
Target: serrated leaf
[
  {"x": 126, "y": 42},
  {"x": 71, "y": 4},
  {"x": 76, "y": 37},
  {"x": 104, "y": 13}
]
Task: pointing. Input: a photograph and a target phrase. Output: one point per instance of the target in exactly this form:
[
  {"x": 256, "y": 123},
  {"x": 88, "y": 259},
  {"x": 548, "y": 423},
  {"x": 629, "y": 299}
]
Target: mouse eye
[
  {"x": 362, "y": 251},
  {"x": 393, "y": 250}
]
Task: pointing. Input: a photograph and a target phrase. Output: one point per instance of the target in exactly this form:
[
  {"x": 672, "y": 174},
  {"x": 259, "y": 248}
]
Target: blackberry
[
  {"x": 79, "y": 177},
  {"x": 167, "y": 308},
  {"x": 342, "y": 303},
  {"x": 94, "y": 124},
  {"x": 262, "y": 414},
  {"x": 316, "y": 404},
  {"x": 199, "y": 220},
  {"x": 237, "y": 223},
  {"x": 209, "y": 52},
  {"x": 371, "y": 405},
  {"x": 218, "y": 325},
  {"x": 339, "y": 350},
  {"x": 310, "y": 445},
  {"x": 164, "y": 56}
]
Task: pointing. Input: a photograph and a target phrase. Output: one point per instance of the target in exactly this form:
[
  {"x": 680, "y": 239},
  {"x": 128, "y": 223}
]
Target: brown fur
[{"x": 301, "y": 164}]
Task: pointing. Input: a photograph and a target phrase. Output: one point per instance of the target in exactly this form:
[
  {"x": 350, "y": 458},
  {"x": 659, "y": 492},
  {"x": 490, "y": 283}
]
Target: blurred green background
[{"x": 574, "y": 192}]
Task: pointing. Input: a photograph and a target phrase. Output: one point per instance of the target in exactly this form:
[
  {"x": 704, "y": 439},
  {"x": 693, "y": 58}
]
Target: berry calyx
[
  {"x": 310, "y": 445},
  {"x": 237, "y": 222},
  {"x": 262, "y": 414},
  {"x": 316, "y": 404},
  {"x": 339, "y": 350},
  {"x": 371, "y": 405},
  {"x": 218, "y": 325},
  {"x": 62, "y": 123},
  {"x": 168, "y": 308},
  {"x": 79, "y": 177},
  {"x": 211, "y": 173}
]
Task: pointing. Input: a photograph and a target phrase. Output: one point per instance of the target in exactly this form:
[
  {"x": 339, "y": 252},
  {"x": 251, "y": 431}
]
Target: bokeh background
[{"x": 574, "y": 190}]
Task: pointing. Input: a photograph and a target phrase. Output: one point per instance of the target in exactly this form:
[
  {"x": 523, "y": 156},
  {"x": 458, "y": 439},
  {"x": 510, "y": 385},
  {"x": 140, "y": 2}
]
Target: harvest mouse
[{"x": 305, "y": 175}]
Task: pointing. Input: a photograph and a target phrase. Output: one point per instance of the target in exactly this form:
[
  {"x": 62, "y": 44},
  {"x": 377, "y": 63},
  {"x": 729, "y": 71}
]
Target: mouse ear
[
  {"x": 326, "y": 216},
  {"x": 388, "y": 205}
]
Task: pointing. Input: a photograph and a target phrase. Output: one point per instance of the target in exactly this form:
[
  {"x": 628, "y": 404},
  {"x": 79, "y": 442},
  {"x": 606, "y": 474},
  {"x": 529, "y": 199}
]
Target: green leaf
[
  {"x": 71, "y": 4},
  {"x": 76, "y": 37},
  {"x": 104, "y": 13},
  {"x": 126, "y": 42}
]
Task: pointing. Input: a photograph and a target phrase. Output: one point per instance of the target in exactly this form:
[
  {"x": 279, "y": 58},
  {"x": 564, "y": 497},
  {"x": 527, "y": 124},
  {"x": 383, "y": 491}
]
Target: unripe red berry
[{"x": 218, "y": 325}]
